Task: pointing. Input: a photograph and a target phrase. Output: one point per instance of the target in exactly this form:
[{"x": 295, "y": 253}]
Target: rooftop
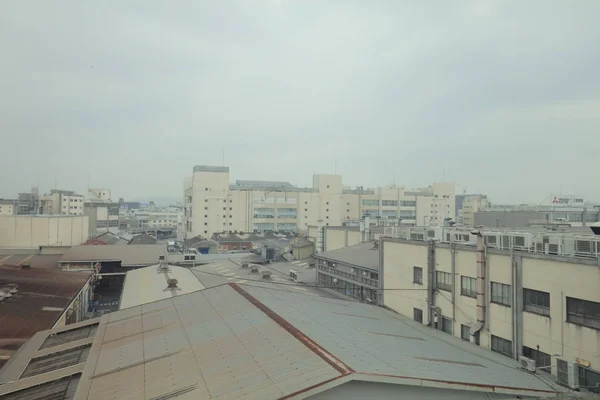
[
  {"x": 145, "y": 285},
  {"x": 209, "y": 168},
  {"x": 142, "y": 239},
  {"x": 263, "y": 184},
  {"x": 360, "y": 255},
  {"x": 107, "y": 238},
  {"x": 43, "y": 293},
  {"x": 244, "y": 342},
  {"x": 133, "y": 255}
]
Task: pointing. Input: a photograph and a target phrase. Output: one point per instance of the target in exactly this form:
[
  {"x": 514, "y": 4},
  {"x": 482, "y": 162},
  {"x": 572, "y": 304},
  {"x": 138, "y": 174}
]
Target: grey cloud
[{"x": 501, "y": 96}]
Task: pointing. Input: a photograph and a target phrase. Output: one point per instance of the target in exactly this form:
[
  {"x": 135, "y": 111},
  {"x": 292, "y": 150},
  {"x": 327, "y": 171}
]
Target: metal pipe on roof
[{"x": 481, "y": 292}]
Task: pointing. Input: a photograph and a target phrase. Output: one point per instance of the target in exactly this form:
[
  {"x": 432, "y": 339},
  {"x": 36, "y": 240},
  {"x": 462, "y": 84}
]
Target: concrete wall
[
  {"x": 508, "y": 219},
  {"x": 34, "y": 231},
  {"x": 213, "y": 206},
  {"x": 560, "y": 276},
  {"x": 357, "y": 390}
]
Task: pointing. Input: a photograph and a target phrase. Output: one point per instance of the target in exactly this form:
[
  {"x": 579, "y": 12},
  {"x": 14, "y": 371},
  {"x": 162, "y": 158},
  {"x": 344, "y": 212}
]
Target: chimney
[{"x": 171, "y": 283}]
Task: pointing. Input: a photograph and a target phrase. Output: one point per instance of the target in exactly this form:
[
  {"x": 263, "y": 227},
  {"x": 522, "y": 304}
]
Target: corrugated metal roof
[
  {"x": 145, "y": 285},
  {"x": 211, "y": 344},
  {"x": 128, "y": 255},
  {"x": 373, "y": 340},
  {"x": 362, "y": 255},
  {"x": 42, "y": 296}
]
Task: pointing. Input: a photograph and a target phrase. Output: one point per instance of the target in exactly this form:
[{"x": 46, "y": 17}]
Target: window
[
  {"x": 468, "y": 286},
  {"x": 205, "y": 216},
  {"x": 370, "y": 203},
  {"x": 583, "y": 312},
  {"x": 536, "y": 302},
  {"x": 327, "y": 203},
  {"x": 447, "y": 325},
  {"x": 501, "y": 294},
  {"x": 230, "y": 224},
  {"x": 206, "y": 208},
  {"x": 418, "y": 275},
  {"x": 224, "y": 201},
  {"x": 224, "y": 208},
  {"x": 327, "y": 186},
  {"x": 306, "y": 202},
  {"x": 408, "y": 203},
  {"x": 327, "y": 210},
  {"x": 206, "y": 200},
  {"x": 306, "y": 209},
  {"x": 327, "y": 217},
  {"x": 206, "y": 224},
  {"x": 231, "y": 216},
  {"x": 205, "y": 232},
  {"x": 230, "y": 208},
  {"x": 347, "y": 210},
  {"x": 465, "y": 332},
  {"x": 443, "y": 280},
  {"x": 541, "y": 359},
  {"x": 589, "y": 378},
  {"x": 418, "y": 315},
  {"x": 502, "y": 346}
]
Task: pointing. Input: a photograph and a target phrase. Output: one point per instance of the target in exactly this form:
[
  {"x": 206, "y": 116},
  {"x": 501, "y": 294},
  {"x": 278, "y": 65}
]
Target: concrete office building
[
  {"x": 102, "y": 216},
  {"x": 61, "y": 202},
  {"x": 535, "y": 294},
  {"x": 471, "y": 205},
  {"x": 32, "y": 231},
  {"x": 8, "y": 207},
  {"x": 212, "y": 204}
]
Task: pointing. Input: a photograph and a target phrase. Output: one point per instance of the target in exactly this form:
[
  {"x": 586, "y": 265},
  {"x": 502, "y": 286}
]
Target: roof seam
[{"x": 329, "y": 358}]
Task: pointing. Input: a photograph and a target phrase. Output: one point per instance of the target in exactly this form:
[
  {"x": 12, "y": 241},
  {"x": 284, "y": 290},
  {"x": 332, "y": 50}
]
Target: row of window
[
  {"x": 358, "y": 275},
  {"x": 389, "y": 203},
  {"x": 348, "y": 288},
  {"x": 581, "y": 312}
]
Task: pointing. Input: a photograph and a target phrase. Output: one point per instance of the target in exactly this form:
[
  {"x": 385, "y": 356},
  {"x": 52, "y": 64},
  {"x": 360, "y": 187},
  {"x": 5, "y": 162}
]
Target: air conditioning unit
[
  {"x": 567, "y": 374},
  {"x": 527, "y": 363}
]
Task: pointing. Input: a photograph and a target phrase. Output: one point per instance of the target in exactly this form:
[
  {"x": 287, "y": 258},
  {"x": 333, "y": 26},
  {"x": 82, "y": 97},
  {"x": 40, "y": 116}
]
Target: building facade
[
  {"x": 8, "y": 207},
  {"x": 32, "y": 231},
  {"x": 526, "y": 216},
  {"x": 102, "y": 216},
  {"x": 471, "y": 205},
  {"x": 61, "y": 202},
  {"x": 211, "y": 204},
  {"x": 538, "y": 293}
]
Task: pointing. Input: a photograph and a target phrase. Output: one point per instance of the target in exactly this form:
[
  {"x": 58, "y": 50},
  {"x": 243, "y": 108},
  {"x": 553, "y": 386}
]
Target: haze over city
[{"x": 499, "y": 96}]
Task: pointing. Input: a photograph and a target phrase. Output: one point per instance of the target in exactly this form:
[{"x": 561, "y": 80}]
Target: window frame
[
  {"x": 536, "y": 308},
  {"x": 447, "y": 325},
  {"x": 466, "y": 338},
  {"x": 416, "y": 269},
  {"x": 447, "y": 276},
  {"x": 499, "y": 344},
  {"x": 576, "y": 313},
  {"x": 468, "y": 292},
  {"x": 505, "y": 297},
  {"x": 418, "y": 314}
]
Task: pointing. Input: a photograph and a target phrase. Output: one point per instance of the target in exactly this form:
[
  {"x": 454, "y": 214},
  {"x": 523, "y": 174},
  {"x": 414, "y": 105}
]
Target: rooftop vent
[
  {"x": 26, "y": 265},
  {"x": 172, "y": 283}
]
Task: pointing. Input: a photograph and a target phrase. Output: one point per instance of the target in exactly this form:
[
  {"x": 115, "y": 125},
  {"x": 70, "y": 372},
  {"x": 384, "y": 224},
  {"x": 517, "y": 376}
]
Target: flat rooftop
[
  {"x": 360, "y": 255},
  {"x": 246, "y": 342}
]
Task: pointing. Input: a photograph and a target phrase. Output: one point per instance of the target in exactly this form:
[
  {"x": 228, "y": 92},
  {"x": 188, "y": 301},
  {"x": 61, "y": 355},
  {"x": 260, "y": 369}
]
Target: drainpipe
[
  {"x": 431, "y": 281},
  {"x": 480, "y": 286},
  {"x": 453, "y": 271}
]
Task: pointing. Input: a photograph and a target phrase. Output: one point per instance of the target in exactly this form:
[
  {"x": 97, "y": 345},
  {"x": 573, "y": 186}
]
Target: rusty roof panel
[
  {"x": 211, "y": 344},
  {"x": 41, "y": 298}
]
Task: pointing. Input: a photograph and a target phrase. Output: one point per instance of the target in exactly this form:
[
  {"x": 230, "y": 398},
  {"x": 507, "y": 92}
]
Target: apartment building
[
  {"x": 211, "y": 204},
  {"x": 8, "y": 207},
  {"x": 471, "y": 205},
  {"x": 61, "y": 202},
  {"x": 530, "y": 293}
]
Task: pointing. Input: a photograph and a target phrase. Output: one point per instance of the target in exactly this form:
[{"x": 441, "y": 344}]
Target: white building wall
[
  {"x": 210, "y": 205},
  {"x": 561, "y": 277},
  {"x": 24, "y": 231}
]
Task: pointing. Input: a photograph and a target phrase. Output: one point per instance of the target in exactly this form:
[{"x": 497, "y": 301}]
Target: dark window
[
  {"x": 327, "y": 210},
  {"x": 502, "y": 346},
  {"x": 224, "y": 208},
  {"x": 230, "y": 208},
  {"x": 231, "y": 216},
  {"x": 468, "y": 286},
  {"x": 206, "y": 224},
  {"x": 113, "y": 223},
  {"x": 347, "y": 210},
  {"x": 418, "y": 315},
  {"x": 327, "y": 217},
  {"x": 418, "y": 275},
  {"x": 206, "y": 208},
  {"x": 206, "y": 200},
  {"x": 447, "y": 325},
  {"x": 327, "y": 203},
  {"x": 501, "y": 294},
  {"x": 465, "y": 332},
  {"x": 541, "y": 359},
  {"x": 205, "y": 216},
  {"x": 443, "y": 280},
  {"x": 306, "y": 202},
  {"x": 205, "y": 231},
  {"x": 583, "y": 312},
  {"x": 536, "y": 302},
  {"x": 589, "y": 379},
  {"x": 224, "y": 201}
]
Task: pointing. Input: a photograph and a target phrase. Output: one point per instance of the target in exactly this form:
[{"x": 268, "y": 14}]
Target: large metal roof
[
  {"x": 247, "y": 342},
  {"x": 132, "y": 255},
  {"x": 145, "y": 285},
  {"x": 361, "y": 255}
]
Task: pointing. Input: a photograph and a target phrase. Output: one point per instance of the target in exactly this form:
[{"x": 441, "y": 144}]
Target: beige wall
[
  {"x": 207, "y": 192},
  {"x": 7, "y": 209},
  {"x": 559, "y": 277},
  {"x": 34, "y": 231}
]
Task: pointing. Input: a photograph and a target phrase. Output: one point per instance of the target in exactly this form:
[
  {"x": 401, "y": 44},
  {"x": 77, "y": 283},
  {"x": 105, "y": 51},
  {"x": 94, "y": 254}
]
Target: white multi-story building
[
  {"x": 212, "y": 204},
  {"x": 61, "y": 202},
  {"x": 8, "y": 207},
  {"x": 154, "y": 217},
  {"x": 522, "y": 293}
]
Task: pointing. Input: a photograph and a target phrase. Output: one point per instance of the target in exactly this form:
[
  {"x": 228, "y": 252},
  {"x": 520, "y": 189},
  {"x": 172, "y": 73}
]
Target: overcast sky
[{"x": 502, "y": 97}]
